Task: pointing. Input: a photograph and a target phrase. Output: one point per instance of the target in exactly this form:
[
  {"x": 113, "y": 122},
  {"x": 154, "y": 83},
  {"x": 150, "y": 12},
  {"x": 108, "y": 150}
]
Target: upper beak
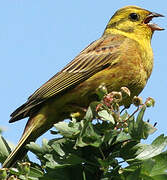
[{"x": 151, "y": 25}]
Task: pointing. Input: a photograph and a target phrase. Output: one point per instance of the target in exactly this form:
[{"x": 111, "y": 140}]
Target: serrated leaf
[
  {"x": 89, "y": 113},
  {"x": 51, "y": 163},
  {"x": 73, "y": 159},
  {"x": 69, "y": 160},
  {"x": 35, "y": 173},
  {"x": 66, "y": 130},
  {"x": 128, "y": 150},
  {"x": 160, "y": 166},
  {"x": 35, "y": 148},
  {"x": 122, "y": 136},
  {"x": 160, "y": 141},
  {"x": 83, "y": 126},
  {"x": 149, "y": 129},
  {"x": 58, "y": 149},
  {"x": 139, "y": 129},
  {"x": 140, "y": 115},
  {"x": 45, "y": 145},
  {"x": 88, "y": 136},
  {"x": 106, "y": 116},
  {"x": 91, "y": 137},
  {"x": 154, "y": 149},
  {"x": 109, "y": 136}
]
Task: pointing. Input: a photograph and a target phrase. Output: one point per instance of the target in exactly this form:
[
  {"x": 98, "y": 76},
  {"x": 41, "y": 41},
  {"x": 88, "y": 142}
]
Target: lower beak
[{"x": 154, "y": 27}]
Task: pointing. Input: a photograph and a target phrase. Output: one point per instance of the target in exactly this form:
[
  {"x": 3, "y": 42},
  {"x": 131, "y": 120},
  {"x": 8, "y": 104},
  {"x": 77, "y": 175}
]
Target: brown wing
[{"x": 97, "y": 56}]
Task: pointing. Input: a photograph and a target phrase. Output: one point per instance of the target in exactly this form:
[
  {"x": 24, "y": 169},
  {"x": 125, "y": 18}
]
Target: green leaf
[
  {"x": 58, "y": 149},
  {"x": 128, "y": 150},
  {"x": 89, "y": 112},
  {"x": 106, "y": 116},
  {"x": 122, "y": 136},
  {"x": 154, "y": 149},
  {"x": 35, "y": 148},
  {"x": 69, "y": 173},
  {"x": 139, "y": 129},
  {"x": 140, "y": 115},
  {"x": 69, "y": 160},
  {"x": 5, "y": 149},
  {"x": 51, "y": 163},
  {"x": 148, "y": 129},
  {"x": 160, "y": 166},
  {"x": 160, "y": 177},
  {"x": 134, "y": 175},
  {"x": 83, "y": 127},
  {"x": 35, "y": 172},
  {"x": 89, "y": 137},
  {"x": 147, "y": 166},
  {"x": 66, "y": 130},
  {"x": 45, "y": 145},
  {"x": 110, "y": 136}
]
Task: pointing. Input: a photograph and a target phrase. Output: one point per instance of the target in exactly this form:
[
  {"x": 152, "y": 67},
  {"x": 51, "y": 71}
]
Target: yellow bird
[{"x": 121, "y": 57}]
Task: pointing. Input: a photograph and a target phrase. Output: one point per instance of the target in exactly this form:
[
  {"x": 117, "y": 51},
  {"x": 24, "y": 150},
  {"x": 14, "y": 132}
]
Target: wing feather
[{"x": 97, "y": 56}]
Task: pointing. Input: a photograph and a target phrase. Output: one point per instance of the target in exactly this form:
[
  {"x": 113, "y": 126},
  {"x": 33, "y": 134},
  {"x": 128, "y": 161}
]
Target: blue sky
[{"x": 38, "y": 38}]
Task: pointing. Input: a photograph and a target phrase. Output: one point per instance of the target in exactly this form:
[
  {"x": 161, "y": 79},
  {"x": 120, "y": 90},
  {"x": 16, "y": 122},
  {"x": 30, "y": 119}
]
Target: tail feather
[
  {"x": 31, "y": 133},
  {"x": 20, "y": 151},
  {"x": 14, "y": 156}
]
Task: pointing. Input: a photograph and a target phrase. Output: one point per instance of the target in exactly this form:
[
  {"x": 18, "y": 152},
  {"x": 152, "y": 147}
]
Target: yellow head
[{"x": 133, "y": 21}]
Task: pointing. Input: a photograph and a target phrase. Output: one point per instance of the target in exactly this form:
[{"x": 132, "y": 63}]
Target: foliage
[{"x": 104, "y": 145}]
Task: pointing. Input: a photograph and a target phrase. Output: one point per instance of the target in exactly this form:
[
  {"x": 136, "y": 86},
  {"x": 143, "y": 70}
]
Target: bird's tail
[
  {"x": 32, "y": 131},
  {"x": 19, "y": 153}
]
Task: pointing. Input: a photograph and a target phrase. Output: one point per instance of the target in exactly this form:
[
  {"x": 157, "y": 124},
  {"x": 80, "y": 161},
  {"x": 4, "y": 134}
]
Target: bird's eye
[{"x": 134, "y": 16}]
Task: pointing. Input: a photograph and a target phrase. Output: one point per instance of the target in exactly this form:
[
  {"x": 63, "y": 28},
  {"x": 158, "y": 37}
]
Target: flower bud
[
  {"x": 12, "y": 178},
  {"x": 137, "y": 101},
  {"x": 26, "y": 167},
  {"x": 150, "y": 102},
  {"x": 117, "y": 96}
]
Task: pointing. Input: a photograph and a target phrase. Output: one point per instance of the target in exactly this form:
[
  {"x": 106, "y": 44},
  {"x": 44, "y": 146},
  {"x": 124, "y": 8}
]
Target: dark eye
[{"x": 134, "y": 16}]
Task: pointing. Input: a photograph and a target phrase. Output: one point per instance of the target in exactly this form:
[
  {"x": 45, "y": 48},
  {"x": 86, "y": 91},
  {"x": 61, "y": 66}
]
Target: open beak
[{"x": 154, "y": 27}]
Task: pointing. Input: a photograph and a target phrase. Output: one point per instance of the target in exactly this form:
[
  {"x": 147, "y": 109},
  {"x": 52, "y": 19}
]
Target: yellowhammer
[{"x": 121, "y": 57}]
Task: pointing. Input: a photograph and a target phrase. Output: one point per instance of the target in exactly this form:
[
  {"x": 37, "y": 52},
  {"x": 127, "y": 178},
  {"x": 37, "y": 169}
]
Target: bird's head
[{"x": 133, "y": 20}]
